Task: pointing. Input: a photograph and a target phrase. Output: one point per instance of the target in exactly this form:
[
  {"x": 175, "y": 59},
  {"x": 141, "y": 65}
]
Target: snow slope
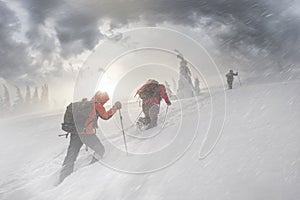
[{"x": 256, "y": 157}]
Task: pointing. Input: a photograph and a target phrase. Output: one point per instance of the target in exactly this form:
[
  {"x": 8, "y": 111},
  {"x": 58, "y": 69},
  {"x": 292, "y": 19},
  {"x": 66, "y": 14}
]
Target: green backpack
[{"x": 76, "y": 115}]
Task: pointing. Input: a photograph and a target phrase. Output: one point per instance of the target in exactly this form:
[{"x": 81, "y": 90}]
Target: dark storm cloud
[
  {"x": 265, "y": 24},
  {"x": 40, "y": 10},
  {"x": 78, "y": 31},
  {"x": 76, "y": 27},
  {"x": 14, "y": 57},
  {"x": 255, "y": 26}
]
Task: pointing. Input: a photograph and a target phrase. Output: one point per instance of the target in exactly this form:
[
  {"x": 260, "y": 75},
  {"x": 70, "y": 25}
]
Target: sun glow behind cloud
[
  {"x": 109, "y": 79},
  {"x": 107, "y": 84}
]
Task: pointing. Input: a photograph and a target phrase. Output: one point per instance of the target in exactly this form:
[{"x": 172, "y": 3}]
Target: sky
[{"x": 49, "y": 41}]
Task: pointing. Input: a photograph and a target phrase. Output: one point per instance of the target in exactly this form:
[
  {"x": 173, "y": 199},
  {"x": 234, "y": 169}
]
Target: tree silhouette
[
  {"x": 1, "y": 105},
  {"x": 169, "y": 91},
  {"x": 185, "y": 85},
  {"x": 35, "y": 97},
  {"x": 45, "y": 95},
  {"x": 19, "y": 102},
  {"x": 6, "y": 105},
  {"x": 28, "y": 96},
  {"x": 197, "y": 87}
]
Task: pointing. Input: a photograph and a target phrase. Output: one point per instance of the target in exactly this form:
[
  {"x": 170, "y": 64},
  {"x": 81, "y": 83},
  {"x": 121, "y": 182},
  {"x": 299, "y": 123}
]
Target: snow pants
[
  {"x": 76, "y": 142},
  {"x": 151, "y": 112},
  {"x": 229, "y": 82}
]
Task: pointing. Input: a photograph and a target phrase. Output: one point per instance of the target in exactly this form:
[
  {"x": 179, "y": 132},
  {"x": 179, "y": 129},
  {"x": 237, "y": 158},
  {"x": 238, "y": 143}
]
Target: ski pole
[
  {"x": 138, "y": 117},
  {"x": 239, "y": 80},
  {"x": 135, "y": 121},
  {"x": 121, "y": 120},
  {"x": 165, "y": 116}
]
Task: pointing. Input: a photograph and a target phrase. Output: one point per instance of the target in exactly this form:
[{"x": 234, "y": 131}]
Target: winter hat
[{"x": 101, "y": 97}]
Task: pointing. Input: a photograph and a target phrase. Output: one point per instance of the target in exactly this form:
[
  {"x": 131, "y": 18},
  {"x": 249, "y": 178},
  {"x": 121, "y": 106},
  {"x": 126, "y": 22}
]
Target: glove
[
  {"x": 117, "y": 105},
  {"x": 169, "y": 103}
]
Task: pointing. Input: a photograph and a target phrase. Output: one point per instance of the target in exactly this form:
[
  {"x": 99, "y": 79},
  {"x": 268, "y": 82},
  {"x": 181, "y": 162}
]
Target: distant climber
[
  {"x": 151, "y": 94},
  {"x": 230, "y": 77},
  {"x": 80, "y": 120}
]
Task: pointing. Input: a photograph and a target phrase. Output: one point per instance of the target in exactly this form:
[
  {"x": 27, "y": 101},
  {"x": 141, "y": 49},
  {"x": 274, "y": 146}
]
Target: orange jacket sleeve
[
  {"x": 103, "y": 113},
  {"x": 163, "y": 93}
]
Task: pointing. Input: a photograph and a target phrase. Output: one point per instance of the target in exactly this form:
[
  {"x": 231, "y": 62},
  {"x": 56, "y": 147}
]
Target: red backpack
[{"x": 149, "y": 90}]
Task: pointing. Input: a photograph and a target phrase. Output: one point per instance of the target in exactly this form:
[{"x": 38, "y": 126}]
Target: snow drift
[{"x": 256, "y": 157}]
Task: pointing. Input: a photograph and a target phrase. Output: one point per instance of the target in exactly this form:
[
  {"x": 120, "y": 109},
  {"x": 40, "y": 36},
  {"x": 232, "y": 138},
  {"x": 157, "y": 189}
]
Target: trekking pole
[
  {"x": 121, "y": 120},
  {"x": 66, "y": 135},
  {"x": 239, "y": 80},
  {"x": 138, "y": 117},
  {"x": 165, "y": 117}
]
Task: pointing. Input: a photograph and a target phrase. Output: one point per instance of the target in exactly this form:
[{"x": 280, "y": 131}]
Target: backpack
[
  {"x": 150, "y": 90},
  {"x": 76, "y": 115}
]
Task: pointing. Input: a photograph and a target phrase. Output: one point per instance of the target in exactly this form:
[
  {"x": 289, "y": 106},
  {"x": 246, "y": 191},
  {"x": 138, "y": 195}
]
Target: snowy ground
[{"x": 256, "y": 157}]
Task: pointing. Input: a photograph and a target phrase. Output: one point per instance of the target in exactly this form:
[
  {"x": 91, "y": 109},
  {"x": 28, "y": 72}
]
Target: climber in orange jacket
[{"x": 87, "y": 135}]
